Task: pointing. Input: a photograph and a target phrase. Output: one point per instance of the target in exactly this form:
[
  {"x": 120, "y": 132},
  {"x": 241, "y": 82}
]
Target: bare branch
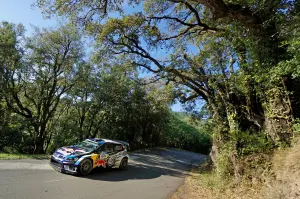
[
  {"x": 146, "y": 66},
  {"x": 175, "y": 19},
  {"x": 178, "y": 35}
]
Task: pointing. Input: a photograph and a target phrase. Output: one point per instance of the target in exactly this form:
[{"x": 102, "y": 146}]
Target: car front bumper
[{"x": 62, "y": 167}]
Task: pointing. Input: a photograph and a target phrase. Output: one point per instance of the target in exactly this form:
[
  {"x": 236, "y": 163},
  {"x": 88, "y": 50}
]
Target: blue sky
[{"x": 22, "y": 11}]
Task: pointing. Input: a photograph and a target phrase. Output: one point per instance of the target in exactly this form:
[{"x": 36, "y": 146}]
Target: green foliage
[
  {"x": 250, "y": 143},
  {"x": 62, "y": 99},
  {"x": 225, "y": 167},
  {"x": 180, "y": 133},
  {"x": 35, "y": 81},
  {"x": 240, "y": 145},
  {"x": 10, "y": 137},
  {"x": 296, "y": 126}
]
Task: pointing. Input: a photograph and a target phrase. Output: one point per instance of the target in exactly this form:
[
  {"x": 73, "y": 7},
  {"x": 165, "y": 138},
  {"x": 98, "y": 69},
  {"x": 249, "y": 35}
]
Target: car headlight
[{"x": 73, "y": 159}]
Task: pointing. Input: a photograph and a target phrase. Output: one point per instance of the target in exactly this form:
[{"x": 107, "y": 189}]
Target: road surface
[{"x": 152, "y": 174}]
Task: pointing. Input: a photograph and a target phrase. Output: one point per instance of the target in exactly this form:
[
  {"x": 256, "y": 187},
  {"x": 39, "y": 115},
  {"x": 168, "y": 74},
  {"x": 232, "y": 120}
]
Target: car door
[
  {"x": 102, "y": 158},
  {"x": 118, "y": 149},
  {"x": 110, "y": 154}
]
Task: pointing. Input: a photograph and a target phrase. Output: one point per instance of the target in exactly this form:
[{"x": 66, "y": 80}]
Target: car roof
[{"x": 102, "y": 141}]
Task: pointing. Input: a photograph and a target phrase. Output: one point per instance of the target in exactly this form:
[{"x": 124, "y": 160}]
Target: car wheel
[
  {"x": 124, "y": 163},
  {"x": 85, "y": 167}
]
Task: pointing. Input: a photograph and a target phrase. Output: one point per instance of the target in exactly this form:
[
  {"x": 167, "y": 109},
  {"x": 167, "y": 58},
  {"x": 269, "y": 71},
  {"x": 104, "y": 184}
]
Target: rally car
[{"x": 82, "y": 158}]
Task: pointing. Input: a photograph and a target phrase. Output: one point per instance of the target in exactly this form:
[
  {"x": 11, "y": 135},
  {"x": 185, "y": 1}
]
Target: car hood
[{"x": 70, "y": 151}]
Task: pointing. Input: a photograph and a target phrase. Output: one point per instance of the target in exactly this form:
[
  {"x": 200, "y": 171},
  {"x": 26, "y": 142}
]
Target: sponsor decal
[
  {"x": 69, "y": 150},
  {"x": 101, "y": 162},
  {"x": 94, "y": 157}
]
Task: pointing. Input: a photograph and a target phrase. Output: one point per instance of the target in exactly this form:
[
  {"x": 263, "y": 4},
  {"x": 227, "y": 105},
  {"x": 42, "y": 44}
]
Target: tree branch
[{"x": 175, "y": 19}]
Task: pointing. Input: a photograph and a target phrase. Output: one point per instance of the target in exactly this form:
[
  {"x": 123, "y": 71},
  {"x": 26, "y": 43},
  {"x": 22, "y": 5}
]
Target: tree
[
  {"x": 35, "y": 83},
  {"x": 111, "y": 102},
  {"x": 10, "y": 53}
]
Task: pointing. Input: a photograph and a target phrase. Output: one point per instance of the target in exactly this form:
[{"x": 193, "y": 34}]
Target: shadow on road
[
  {"x": 136, "y": 171},
  {"x": 150, "y": 165}
]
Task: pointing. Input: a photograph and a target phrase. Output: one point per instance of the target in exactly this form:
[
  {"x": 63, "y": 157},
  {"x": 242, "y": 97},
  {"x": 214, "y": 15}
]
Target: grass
[{"x": 8, "y": 156}]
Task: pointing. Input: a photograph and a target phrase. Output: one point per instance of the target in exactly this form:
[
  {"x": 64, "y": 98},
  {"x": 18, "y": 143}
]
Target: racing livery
[{"x": 89, "y": 154}]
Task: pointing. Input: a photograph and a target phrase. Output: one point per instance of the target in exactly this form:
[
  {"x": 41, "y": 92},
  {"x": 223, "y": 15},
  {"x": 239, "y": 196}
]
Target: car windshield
[{"x": 88, "y": 145}]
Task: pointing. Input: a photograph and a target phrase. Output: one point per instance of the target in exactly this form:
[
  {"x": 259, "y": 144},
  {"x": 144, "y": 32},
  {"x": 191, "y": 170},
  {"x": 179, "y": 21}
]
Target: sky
[{"x": 23, "y": 11}]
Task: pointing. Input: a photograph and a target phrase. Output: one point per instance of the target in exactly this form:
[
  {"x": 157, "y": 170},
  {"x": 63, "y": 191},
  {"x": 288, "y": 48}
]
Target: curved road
[{"x": 152, "y": 174}]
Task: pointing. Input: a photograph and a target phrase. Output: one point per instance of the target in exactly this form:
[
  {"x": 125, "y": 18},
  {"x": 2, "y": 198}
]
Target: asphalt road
[{"x": 152, "y": 174}]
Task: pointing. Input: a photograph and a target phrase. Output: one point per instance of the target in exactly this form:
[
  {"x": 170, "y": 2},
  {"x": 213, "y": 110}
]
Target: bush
[
  {"x": 10, "y": 140},
  {"x": 249, "y": 143}
]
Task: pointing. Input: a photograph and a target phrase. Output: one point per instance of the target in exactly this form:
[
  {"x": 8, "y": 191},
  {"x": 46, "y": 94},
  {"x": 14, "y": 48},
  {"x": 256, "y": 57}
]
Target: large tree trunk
[
  {"x": 220, "y": 134},
  {"x": 39, "y": 146},
  {"x": 279, "y": 117},
  {"x": 40, "y": 139},
  {"x": 234, "y": 130}
]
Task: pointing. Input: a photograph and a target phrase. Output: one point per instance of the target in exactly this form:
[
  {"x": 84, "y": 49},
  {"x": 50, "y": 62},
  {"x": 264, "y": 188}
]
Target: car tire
[
  {"x": 85, "y": 167},
  {"x": 124, "y": 163}
]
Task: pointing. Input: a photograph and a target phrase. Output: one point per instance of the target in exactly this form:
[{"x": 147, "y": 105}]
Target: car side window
[
  {"x": 109, "y": 147},
  {"x": 118, "y": 147},
  {"x": 101, "y": 149}
]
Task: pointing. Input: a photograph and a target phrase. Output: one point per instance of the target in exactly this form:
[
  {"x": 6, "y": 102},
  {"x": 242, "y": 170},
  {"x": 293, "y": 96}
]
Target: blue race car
[{"x": 89, "y": 154}]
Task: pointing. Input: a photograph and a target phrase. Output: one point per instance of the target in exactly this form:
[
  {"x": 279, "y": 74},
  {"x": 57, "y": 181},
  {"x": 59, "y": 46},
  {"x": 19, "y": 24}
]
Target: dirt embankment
[
  {"x": 286, "y": 164},
  {"x": 282, "y": 181}
]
